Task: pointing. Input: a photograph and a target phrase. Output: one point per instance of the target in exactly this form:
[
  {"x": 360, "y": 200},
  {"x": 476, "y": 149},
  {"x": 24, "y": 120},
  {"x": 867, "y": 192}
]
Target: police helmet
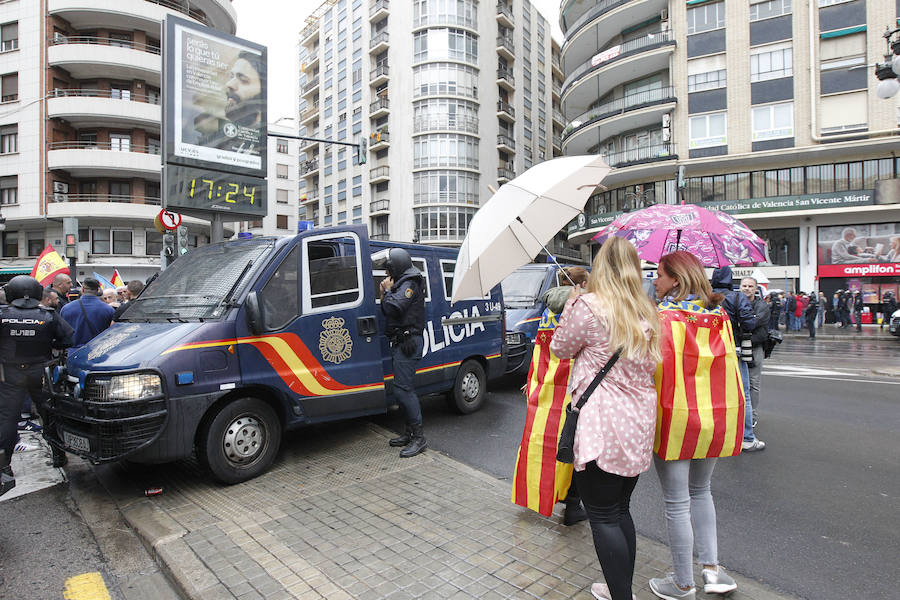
[
  {"x": 398, "y": 262},
  {"x": 24, "y": 291}
]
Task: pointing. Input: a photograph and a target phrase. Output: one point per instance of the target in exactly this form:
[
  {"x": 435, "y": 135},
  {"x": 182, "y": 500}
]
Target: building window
[
  {"x": 706, "y": 17},
  {"x": 708, "y": 130},
  {"x": 445, "y": 150},
  {"x": 766, "y": 9},
  {"x": 100, "y": 241},
  {"x": 119, "y": 191},
  {"x": 281, "y": 146},
  {"x": 152, "y": 243},
  {"x": 771, "y": 62},
  {"x": 281, "y": 221},
  {"x": 9, "y": 189},
  {"x": 445, "y": 187},
  {"x": 443, "y": 222},
  {"x": 711, "y": 80},
  {"x": 453, "y": 44},
  {"x": 10, "y": 244},
  {"x": 773, "y": 121},
  {"x": 9, "y": 36},
  {"x": 120, "y": 142},
  {"x": 445, "y": 79},
  {"x": 9, "y": 87},
  {"x": 35, "y": 243},
  {"x": 281, "y": 171},
  {"x": 121, "y": 241},
  {"x": 9, "y": 138},
  {"x": 120, "y": 91},
  {"x": 281, "y": 196}
]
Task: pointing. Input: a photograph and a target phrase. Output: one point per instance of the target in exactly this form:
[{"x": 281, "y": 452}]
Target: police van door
[{"x": 338, "y": 328}]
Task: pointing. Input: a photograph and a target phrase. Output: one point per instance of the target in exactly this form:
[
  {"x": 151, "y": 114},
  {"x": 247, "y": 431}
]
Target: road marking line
[
  {"x": 87, "y": 586},
  {"x": 818, "y": 378},
  {"x": 803, "y": 370}
]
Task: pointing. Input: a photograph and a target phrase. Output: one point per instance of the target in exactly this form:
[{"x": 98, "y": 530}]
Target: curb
[{"x": 887, "y": 372}]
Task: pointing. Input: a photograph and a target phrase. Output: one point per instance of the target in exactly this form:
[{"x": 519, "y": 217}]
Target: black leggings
[{"x": 606, "y": 499}]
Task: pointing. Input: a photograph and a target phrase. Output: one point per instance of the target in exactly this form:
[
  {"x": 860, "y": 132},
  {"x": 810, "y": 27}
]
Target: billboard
[
  {"x": 859, "y": 250},
  {"x": 215, "y": 99}
]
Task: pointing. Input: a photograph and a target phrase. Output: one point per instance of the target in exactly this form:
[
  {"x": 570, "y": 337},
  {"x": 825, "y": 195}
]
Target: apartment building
[
  {"x": 769, "y": 110},
  {"x": 453, "y": 98},
  {"x": 80, "y": 124}
]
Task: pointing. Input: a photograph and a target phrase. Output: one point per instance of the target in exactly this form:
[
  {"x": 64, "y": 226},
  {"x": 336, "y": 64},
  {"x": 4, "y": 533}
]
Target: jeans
[
  {"x": 404, "y": 380},
  {"x": 751, "y": 400},
  {"x": 690, "y": 513},
  {"x": 16, "y": 383},
  {"x": 820, "y": 318},
  {"x": 748, "y": 409},
  {"x": 606, "y": 499}
]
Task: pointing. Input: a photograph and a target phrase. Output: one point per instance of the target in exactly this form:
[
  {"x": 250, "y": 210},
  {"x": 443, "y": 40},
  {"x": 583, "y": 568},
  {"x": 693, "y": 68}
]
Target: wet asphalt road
[{"x": 816, "y": 514}]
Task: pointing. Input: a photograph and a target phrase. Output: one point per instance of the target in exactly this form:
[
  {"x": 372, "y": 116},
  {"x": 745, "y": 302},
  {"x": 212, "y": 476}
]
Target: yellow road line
[{"x": 87, "y": 586}]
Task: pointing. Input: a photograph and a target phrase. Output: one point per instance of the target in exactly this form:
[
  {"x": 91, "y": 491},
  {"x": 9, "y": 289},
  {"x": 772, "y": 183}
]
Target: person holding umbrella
[{"x": 614, "y": 438}]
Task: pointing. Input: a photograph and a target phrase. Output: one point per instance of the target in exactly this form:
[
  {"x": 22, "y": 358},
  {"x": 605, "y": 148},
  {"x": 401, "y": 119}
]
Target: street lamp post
[{"x": 888, "y": 71}]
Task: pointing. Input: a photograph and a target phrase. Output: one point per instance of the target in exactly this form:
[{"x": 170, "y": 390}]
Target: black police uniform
[
  {"x": 28, "y": 334},
  {"x": 404, "y": 310}
]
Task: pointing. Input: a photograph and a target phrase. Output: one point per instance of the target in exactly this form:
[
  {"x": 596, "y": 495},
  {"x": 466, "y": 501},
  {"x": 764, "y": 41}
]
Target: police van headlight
[
  {"x": 133, "y": 386},
  {"x": 515, "y": 338}
]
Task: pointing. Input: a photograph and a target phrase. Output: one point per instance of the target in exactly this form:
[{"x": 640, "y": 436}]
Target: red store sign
[{"x": 860, "y": 270}]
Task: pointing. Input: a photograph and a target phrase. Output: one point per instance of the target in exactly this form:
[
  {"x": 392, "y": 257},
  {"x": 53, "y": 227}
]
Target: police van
[{"x": 242, "y": 340}]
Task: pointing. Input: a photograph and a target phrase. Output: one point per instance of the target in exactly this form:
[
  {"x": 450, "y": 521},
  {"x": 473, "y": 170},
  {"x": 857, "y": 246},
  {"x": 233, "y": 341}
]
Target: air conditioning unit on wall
[{"x": 664, "y": 14}]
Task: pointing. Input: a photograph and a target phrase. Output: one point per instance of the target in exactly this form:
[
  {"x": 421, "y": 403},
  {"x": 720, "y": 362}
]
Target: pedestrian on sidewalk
[
  {"x": 888, "y": 307},
  {"x": 403, "y": 305},
  {"x": 857, "y": 309},
  {"x": 811, "y": 311},
  {"x": 774, "y": 311},
  {"x": 822, "y": 302},
  {"x": 89, "y": 315},
  {"x": 614, "y": 438},
  {"x": 688, "y": 304},
  {"x": 758, "y": 338}
]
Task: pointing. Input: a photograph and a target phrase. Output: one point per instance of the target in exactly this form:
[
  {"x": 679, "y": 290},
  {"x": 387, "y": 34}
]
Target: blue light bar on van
[{"x": 245, "y": 235}]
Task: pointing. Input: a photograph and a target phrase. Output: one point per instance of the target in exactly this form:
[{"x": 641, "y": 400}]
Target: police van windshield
[
  {"x": 201, "y": 285},
  {"x": 521, "y": 288}
]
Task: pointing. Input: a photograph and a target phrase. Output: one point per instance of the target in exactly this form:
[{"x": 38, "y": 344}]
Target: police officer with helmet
[
  {"x": 28, "y": 333},
  {"x": 403, "y": 305}
]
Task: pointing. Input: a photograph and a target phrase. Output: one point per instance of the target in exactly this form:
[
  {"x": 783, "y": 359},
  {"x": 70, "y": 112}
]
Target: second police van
[{"x": 245, "y": 339}]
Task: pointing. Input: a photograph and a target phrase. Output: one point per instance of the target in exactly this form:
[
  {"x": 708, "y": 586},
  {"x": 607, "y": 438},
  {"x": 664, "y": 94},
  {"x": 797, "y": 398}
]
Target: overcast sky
[{"x": 278, "y": 27}]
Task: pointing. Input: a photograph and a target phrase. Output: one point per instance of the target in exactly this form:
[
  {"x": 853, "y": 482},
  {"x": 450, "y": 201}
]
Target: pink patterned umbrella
[{"x": 715, "y": 237}]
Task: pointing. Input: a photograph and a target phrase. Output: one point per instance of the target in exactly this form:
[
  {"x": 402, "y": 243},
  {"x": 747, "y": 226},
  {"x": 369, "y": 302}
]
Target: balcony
[
  {"x": 505, "y": 46},
  {"x": 309, "y": 168},
  {"x": 378, "y": 75},
  {"x": 379, "y": 174},
  {"x": 311, "y": 61},
  {"x": 617, "y": 65},
  {"x": 642, "y": 154},
  {"x": 378, "y": 43},
  {"x": 311, "y": 85},
  {"x": 506, "y": 80},
  {"x": 380, "y": 206},
  {"x": 102, "y": 108},
  {"x": 151, "y": 200},
  {"x": 378, "y": 10},
  {"x": 380, "y": 236},
  {"x": 505, "y": 111},
  {"x": 557, "y": 90},
  {"x": 146, "y": 15},
  {"x": 310, "y": 114},
  {"x": 505, "y": 174},
  {"x": 103, "y": 208},
  {"x": 310, "y": 196},
  {"x": 379, "y": 140},
  {"x": 558, "y": 117},
  {"x": 557, "y": 142},
  {"x": 445, "y": 122},
  {"x": 634, "y": 111},
  {"x": 89, "y": 57},
  {"x": 505, "y": 15},
  {"x": 105, "y": 159},
  {"x": 309, "y": 145},
  {"x": 310, "y": 33},
  {"x": 506, "y": 143},
  {"x": 380, "y": 107},
  {"x": 557, "y": 67}
]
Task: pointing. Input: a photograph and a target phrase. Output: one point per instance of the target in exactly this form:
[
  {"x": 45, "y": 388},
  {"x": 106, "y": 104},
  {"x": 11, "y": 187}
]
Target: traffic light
[
  {"x": 181, "y": 235},
  {"x": 361, "y": 151},
  {"x": 71, "y": 245},
  {"x": 168, "y": 246}
]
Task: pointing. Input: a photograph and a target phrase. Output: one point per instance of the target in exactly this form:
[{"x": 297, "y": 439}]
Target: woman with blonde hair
[
  {"x": 614, "y": 438},
  {"x": 700, "y": 417}
]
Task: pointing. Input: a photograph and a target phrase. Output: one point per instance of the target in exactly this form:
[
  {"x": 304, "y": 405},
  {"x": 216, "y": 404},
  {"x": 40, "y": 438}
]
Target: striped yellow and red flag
[
  {"x": 540, "y": 480},
  {"x": 700, "y": 411}
]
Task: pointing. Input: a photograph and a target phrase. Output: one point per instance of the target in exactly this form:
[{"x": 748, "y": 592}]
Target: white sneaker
[
  {"x": 667, "y": 589},
  {"x": 754, "y": 446},
  {"x": 718, "y": 581},
  {"x": 600, "y": 591},
  {"x": 25, "y": 447}
]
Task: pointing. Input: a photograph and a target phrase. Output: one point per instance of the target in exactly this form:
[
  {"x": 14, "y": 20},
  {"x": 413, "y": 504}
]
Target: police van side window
[
  {"x": 333, "y": 270},
  {"x": 379, "y": 273},
  {"x": 447, "y": 268},
  {"x": 281, "y": 294}
]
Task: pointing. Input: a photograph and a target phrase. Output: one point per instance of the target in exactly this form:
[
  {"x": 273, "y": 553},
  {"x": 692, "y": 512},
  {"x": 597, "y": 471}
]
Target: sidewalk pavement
[
  {"x": 830, "y": 332},
  {"x": 341, "y": 516},
  {"x": 33, "y": 469}
]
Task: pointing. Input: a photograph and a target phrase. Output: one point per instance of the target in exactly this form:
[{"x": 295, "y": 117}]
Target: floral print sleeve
[{"x": 569, "y": 337}]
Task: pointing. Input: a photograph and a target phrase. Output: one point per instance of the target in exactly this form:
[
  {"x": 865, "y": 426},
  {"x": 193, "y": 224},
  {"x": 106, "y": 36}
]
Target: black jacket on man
[
  {"x": 760, "y": 334},
  {"x": 404, "y": 304},
  {"x": 736, "y": 304}
]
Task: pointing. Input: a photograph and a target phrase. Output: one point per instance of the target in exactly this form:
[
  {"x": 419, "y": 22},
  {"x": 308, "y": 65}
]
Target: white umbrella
[{"x": 511, "y": 228}]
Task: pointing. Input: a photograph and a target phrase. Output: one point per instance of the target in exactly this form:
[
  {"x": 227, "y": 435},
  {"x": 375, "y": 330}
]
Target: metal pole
[{"x": 217, "y": 229}]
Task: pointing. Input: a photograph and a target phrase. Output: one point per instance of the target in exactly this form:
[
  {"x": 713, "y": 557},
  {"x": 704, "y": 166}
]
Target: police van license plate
[{"x": 76, "y": 442}]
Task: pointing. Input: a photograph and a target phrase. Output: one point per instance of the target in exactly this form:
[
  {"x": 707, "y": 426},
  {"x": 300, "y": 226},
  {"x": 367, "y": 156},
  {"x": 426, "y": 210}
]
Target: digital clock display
[{"x": 191, "y": 189}]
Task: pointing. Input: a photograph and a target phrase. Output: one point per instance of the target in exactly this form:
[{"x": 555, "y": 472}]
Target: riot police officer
[
  {"x": 28, "y": 334},
  {"x": 403, "y": 305}
]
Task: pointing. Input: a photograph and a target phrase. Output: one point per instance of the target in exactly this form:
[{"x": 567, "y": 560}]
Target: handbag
[{"x": 565, "y": 449}]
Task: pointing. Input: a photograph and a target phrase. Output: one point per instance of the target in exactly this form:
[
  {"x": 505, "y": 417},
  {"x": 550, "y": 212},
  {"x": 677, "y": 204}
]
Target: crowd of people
[
  {"x": 799, "y": 311},
  {"x": 37, "y": 323}
]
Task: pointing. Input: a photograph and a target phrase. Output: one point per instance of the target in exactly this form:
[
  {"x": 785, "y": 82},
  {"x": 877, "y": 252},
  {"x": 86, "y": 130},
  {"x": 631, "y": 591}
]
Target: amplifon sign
[{"x": 860, "y": 270}]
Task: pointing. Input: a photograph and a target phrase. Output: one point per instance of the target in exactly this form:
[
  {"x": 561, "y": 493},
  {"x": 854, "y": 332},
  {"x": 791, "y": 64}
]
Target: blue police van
[{"x": 239, "y": 341}]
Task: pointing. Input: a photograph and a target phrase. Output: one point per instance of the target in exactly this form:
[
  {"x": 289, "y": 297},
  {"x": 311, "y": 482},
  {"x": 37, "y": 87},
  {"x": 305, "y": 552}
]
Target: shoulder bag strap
[
  {"x": 602, "y": 373},
  {"x": 86, "y": 320}
]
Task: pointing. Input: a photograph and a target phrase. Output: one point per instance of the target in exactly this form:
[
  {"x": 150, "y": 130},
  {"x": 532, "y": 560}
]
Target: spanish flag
[
  {"x": 700, "y": 411},
  {"x": 540, "y": 480},
  {"x": 49, "y": 264},
  {"x": 117, "y": 279}
]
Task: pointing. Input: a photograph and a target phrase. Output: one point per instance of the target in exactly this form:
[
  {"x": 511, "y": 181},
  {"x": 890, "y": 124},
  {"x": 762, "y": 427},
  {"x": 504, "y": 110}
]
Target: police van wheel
[
  {"x": 469, "y": 391},
  {"x": 240, "y": 441}
]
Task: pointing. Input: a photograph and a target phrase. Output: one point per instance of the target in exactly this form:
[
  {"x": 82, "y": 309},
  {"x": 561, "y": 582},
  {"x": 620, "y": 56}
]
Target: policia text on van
[{"x": 241, "y": 340}]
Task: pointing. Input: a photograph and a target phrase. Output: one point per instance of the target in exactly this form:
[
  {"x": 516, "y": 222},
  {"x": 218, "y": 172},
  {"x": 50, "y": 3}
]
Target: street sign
[{"x": 169, "y": 220}]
